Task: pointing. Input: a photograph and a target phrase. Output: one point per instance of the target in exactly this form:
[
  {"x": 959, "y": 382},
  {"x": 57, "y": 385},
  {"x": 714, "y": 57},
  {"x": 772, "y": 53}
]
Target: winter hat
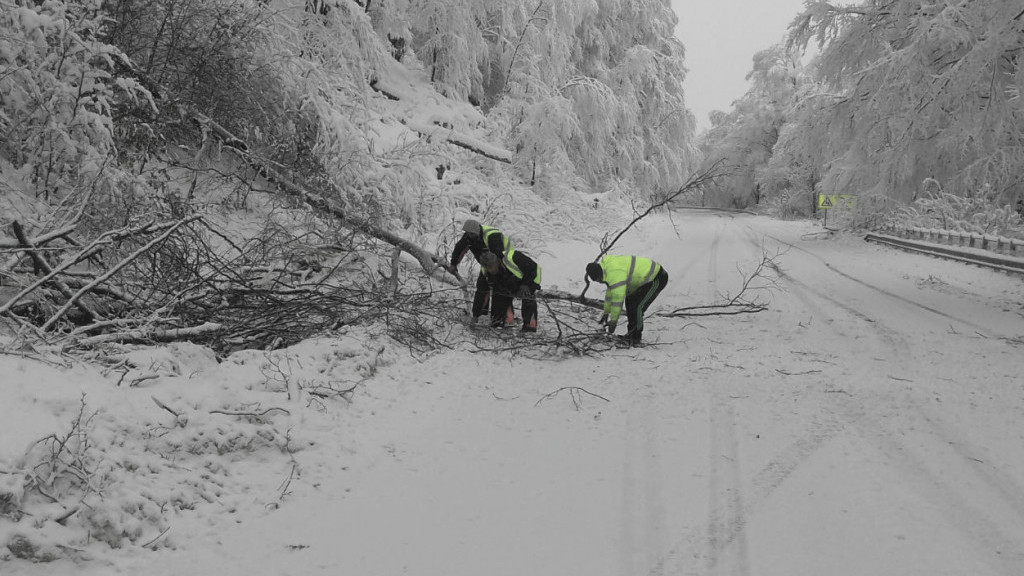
[
  {"x": 487, "y": 259},
  {"x": 471, "y": 226},
  {"x": 595, "y": 272}
]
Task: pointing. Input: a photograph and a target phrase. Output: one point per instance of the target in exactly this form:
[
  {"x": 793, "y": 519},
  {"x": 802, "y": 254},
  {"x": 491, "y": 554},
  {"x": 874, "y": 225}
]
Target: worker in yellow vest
[
  {"x": 514, "y": 276},
  {"x": 479, "y": 239},
  {"x": 632, "y": 282}
]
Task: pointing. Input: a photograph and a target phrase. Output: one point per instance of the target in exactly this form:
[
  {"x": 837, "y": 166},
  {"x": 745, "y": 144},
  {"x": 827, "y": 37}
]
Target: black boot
[{"x": 631, "y": 338}]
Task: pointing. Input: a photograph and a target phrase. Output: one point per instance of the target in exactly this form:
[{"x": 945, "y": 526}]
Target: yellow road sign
[{"x": 826, "y": 201}]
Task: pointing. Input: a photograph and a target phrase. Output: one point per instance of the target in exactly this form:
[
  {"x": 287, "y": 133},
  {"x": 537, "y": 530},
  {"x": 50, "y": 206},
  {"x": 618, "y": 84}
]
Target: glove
[
  {"x": 524, "y": 291},
  {"x": 453, "y": 271},
  {"x": 611, "y": 327},
  {"x": 604, "y": 319}
]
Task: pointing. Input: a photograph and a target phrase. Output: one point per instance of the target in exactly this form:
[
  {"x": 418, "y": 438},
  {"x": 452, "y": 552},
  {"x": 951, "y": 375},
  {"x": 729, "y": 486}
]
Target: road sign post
[{"x": 827, "y": 201}]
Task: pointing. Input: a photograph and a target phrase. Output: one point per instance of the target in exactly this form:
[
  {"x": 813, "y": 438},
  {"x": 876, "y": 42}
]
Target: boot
[
  {"x": 530, "y": 326},
  {"x": 630, "y": 338}
]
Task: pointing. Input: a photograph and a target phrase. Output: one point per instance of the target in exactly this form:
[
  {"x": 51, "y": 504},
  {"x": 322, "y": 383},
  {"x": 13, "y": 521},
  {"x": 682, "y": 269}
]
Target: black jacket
[
  {"x": 507, "y": 281},
  {"x": 475, "y": 244}
]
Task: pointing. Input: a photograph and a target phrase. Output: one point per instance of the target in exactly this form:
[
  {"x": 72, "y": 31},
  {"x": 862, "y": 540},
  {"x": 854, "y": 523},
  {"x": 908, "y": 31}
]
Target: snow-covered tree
[
  {"x": 586, "y": 92},
  {"x": 742, "y": 141},
  {"x": 448, "y": 37},
  {"x": 616, "y": 68},
  {"x": 58, "y": 95},
  {"x": 927, "y": 89}
]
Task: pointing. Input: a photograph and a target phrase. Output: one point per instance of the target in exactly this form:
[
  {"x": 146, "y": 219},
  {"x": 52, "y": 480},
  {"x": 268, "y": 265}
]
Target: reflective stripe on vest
[
  {"x": 632, "y": 270},
  {"x": 510, "y": 264},
  {"x": 650, "y": 273},
  {"x": 487, "y": 232},
  {"x": 629, "y": 282}
]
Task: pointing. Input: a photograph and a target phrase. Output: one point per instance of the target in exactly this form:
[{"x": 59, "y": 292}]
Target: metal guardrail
[
  {"x": 969, "y": 239},
  {"x": 976, "y": 257}
]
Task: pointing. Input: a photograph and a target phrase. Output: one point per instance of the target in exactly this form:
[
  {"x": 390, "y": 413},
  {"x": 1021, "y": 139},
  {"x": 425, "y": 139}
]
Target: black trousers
[
  {"x": 502, "y": 304},
  {"x": 499, "y": 301},
  {"x": 482, "y": 296},
  {"x": 639, "y": 301}
]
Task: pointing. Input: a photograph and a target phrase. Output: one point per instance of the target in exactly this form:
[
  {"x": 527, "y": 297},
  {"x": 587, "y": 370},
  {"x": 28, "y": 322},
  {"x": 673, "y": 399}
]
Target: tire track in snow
[
  {"x": 957, "y": 502},
  {"x": 772, "y": 475},
  {"x": 978, "y": 525},
  {"x": 829, "y": 266},
  {"x": 894, "y": 340},
  {"x": 728, "y": 508},
  {"x": 726, "y": 524},
  {"x": 983, "y": 526},
  {"x": 712, "y": 283},
  {"x": 643, "y": 494},
  {"x": 1009, "y": 489}
]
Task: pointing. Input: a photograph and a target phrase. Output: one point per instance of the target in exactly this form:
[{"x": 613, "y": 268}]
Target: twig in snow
[
  {"x": 158, "y": 536},
  {"x": 249, "y": 414},
  {"x": 804, "y": 373},
  {"x": 165, "y": 407},
  {"x": 741, "y": 303},
  {"x": 575, "y": 392}
]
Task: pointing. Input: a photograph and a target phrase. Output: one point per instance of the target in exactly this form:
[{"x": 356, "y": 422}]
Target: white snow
[{"x": 868, "y": 422}]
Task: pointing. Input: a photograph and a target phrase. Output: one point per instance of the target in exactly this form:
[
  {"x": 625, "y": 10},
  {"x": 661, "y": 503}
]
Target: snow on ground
[{"x": 868, "y": 422}]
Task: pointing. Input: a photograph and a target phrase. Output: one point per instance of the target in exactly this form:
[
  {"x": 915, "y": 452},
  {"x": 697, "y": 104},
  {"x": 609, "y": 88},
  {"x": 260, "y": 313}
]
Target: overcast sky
[{"x": 721, "y": 37}]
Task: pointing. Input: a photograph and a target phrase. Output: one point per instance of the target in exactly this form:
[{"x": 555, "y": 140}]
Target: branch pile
[{"x": 183, "y": 280}]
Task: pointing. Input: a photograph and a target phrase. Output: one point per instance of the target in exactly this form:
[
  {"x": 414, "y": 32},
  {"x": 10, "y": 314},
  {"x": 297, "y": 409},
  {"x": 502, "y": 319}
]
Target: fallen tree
[
  {"x": 319, "y": 200},
  {"x": 239, "y": 296}
]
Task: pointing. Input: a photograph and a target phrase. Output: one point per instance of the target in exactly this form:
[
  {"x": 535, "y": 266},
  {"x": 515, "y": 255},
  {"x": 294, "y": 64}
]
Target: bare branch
[
  {"x": 695, "y": 182},
  {"x": 85, "y": 289},
  {"x": 250, "y": 414},
  {"x": 152, "y": 335},
  {"x": 42, "y": 265},
  {"x": 165, "y": 407},
  {"x": 575, "y": 392},
  {"x": 741, "y": 303},
  {"x": 84, "y": 254},
  {"x": 40, "y": 240}
]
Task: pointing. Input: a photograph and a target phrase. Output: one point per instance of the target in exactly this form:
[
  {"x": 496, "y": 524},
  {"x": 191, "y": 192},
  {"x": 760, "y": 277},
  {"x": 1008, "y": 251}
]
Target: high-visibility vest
[
  {"x": 487, "y": 232},
  {"x": 623, "y": 275},
  {"x": 512, "y": 267}
]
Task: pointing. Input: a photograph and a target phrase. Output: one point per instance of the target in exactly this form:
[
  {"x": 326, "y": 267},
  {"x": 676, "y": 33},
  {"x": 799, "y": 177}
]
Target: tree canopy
[
  {"x": 899, "y": 91},
  {"x": 583, "y": 91}
]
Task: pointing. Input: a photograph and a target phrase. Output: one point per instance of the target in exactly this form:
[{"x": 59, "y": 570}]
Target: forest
[
  {"x": 175, "y": 169},
  {"x": 913, "y": 107}
]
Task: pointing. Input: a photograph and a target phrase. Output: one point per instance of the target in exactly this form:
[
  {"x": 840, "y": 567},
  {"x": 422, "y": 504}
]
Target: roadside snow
[{"x": 869, "y": 422}]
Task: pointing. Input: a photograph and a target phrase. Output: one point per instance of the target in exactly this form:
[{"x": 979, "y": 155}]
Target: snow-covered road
[{"x": 870, "y": 421}]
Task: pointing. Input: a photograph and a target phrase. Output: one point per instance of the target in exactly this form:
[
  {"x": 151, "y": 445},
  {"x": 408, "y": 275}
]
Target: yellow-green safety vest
[
  {"x": 512, "y": 267},
  {"x": 487, "y": 231},
  {"x": 623, "y": 275}
]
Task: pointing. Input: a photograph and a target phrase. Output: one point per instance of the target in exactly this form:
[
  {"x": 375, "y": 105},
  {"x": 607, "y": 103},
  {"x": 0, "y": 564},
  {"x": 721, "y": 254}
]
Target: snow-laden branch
[
  {"x": 41, "y": 264},
  {"x": 42, "y": 239},
  {"x": 153, "y": 335},
  {"x": 316, "y": 199},
  {"x": 84, "y": 254},
  {"x": 462, "y": 140},
  {"x": 73, "y": 300}
]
